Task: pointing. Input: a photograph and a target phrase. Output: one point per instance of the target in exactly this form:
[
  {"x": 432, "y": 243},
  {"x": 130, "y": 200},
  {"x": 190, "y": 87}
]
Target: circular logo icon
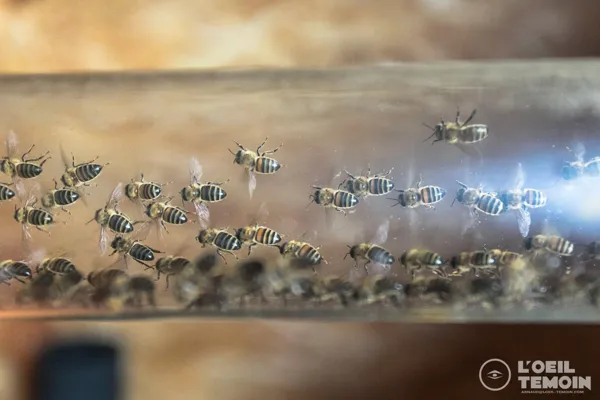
[{"x": 494, "y": 374}]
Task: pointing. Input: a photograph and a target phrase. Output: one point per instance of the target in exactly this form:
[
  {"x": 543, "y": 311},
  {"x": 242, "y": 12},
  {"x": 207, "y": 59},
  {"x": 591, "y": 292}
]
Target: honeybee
[
  {"x": 16, "y": 270},
  {"x": 363, "y": 186},
  {"x": 140, "y": 252},
  {"x": 165, "y": 213},
  {"x": 485, "y": 292},
  {"x": 257, "y": 234},
  {"x": 372, "y": 251},
  {"x": 479, "y": 201},
  {"x": 143, "y": 190},
  {"x": 414, "y": 260},
  {"x": 77, "y": 175},
  {"x": 334, "y": 288},
  {"x": 103, "y": 278},
  {"x": 224, "y": 241},
  {"x": 553, "y": 244},
  {"x": 21, "y": 168},
  {"x": 59, "y": 198},
  {"x": 196, "y": 285},
  {"x": 110, "y": 218},
  {"x": 339, "y": 200},
  {"x": 171, "y": 265},
  {"x": 380, "y": 289},
  {"x": 459, "y": 133},
  {"x": 256, "y": 162},
  {"x": 135, "y": 291},
  {"x": 298, "y": 283},
  {"x": 579, "y": 168},
  {"x": 473, "y": 262},
  {"x": 40, "y": 289},
  {"x": 56, "y": 265},
  {"x": 504, "y": 258},
  {"x": 6, "y": 193},
  {"x": 295, "y": 249},
  {"x": 29, "y": 215},
  {"x": 419, "y": 196},
  {"x": 428, "y": 289},
  {"x": 248, "y": 279},
  {"x": 199, "y": 194}
]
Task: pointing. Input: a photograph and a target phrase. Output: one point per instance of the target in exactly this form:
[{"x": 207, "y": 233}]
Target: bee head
[
  {"x": 239, "y": 233},
  {"x": 403, "y": 259},
  {"x": 351, "y": 252},
  {"x": 528, "y": 243},
  {"x": 570, "y": 172},
  {"x": 203, "y": 236},
  {"x": 315, "y": 196},
  {"x": 206, "y": 262},
  {"x": 116, "y": 242},
  {"x": 454, "y": 262},
  {"x": 237, "y": 156},
  {"x": 19, "y": 214},
  {"x": 460, "y": 195},
  {"x": 131, "y": 191}
]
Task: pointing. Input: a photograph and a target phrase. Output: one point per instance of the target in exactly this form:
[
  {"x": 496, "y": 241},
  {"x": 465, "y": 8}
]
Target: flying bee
[
  {"x": 140, "y": 252},
  {"x": 135, "y": 291},
  {"x": 29, "y": 215},
  {"x": 16, "y": 270},
  {"x": 372, "y": 251},
  {"x": 380, "y": 289},
  {"x": 425, "y": 196},
  {"x": 109, "y": 218},
  {"x": 59, "y": 198},
  {"x": 143, "y": 190},
  {"x": 164, "y": 213},
  {"x": 513, "y": 199},
  {"x": 6, "y": 193},
  {"x": 22, "y": 168},
  {"x": 553, "y": 244},
  {"x": 103, "y": 278},
  {"x": 303, "y": 251},
  {"x": 224, "y": 241},
  {"x": 479, "y": 201},
  {"x": 77, "y": 175},
  {"x": 257, "y": 234},
  {"x": 580, "y": 168},
  {"x": 339, "y": 200},
  {"x": 256, "y": 162},
  {"x": 459, "y": 133},
  {"x": 363, "y": 186},
  {"x": 473, "y": 262},
  {"x": 201, "y": 194},
  {"x": 414, "y": 260}
]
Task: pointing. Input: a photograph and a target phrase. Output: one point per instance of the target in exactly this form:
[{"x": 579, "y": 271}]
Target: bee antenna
[
  {"x": 427, "y": 126},
  {"x": 453, "y": 201},
  {"x": 429, "y": 137},
  {"x": 348, "y": 253},
  {"x": 231, "y": 152},
  {"x": 312, "y": 200},
  {"x": 91, "y": 220}
]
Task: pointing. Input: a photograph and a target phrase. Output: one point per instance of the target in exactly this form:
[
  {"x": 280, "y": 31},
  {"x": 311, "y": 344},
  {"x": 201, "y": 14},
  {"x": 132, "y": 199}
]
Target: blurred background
[{"x": 293, "y": 360}]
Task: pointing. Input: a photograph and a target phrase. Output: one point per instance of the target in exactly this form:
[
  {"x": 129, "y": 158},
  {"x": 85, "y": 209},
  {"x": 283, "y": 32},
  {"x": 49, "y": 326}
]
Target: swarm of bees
[{"x": 296, "y": 275}]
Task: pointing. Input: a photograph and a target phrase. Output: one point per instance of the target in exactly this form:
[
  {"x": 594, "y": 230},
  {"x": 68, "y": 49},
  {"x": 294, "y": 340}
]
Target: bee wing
[
  {"x": 381, "y": 235},
  {"x": 64, "y": 157},
  {"x": 34, "y": 191},
  {"x": 262, "y": 213},
  {"x": 251, "y": 182},
  {"x": 203, "y": 213},
  {"x": 36, "y": 257},
  {"x": 116, "y": 195},
  {"x": 524, "y": 221},
  {"x": 195, "y": 170},
  {"x": 578, "y": 150},
  {"x": 470, "y": 150},
  {"x": 11, "y": 143},
  {"x": 20, "y": 188},
  {"x": 25, "y": 236},
  {"x": 103, "y": 242},
  {"x": 520, "y": 178}
]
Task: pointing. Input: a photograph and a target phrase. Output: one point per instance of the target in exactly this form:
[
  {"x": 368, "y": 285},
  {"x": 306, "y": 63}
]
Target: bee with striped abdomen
[
  {"x": 473, "y": 262},
  {"x": 414, "y": 260},
  {"x": 169, "y": 266},
  {"x": 16, "y": 270},
  {"x": 164, "y": 213},
  {"x": 59, "y": 198},
  {"x": 247, "y": 279},
  {"x": 197, "y": 285},
  {"x": 21, "y": 168},
  {"x": 57, "y": 265},
  {"x": 140, "y": 252},
  {"x": 135, "y": 291},
  {"x": 459, "y": 133},
  {"x": 339, "y": 200},
  {"x": 109, "y": 218},
  {"x": 376, "y": 289},
  {"x": 533, "y": 198},
  {"x": 257, "y": 234},
  {"x": 504, "y": 258},
  {"x": 143, "y": 190},
  {"x": 29, "y": 215},
  {"x": 551, "y": 243},
  {"x": 425, "y": 196},
  {"x": 6, "y": 193},
  {"x": 256, "y": 162},
  {"x": 363, "y": 186},
  {"x": 513, "y": 199},
  {"x": 224, "y": 241},
  {"x": 580, "y": 168},
  {"x": 103, "y": 278},
  {"x": 372, "y": 251},
  {"x": 201, "y": 194},
  {"x": 295, "y": 249},
  {"x": 479, "y": 201},
  {"x": 77, "y": 175}
]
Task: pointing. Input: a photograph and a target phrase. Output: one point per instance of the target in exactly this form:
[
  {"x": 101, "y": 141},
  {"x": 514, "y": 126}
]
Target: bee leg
[
  {"x": 250, "y": 248},
  {"x": 221, "y": 255},
  {"x": 144, "y": 264},
  {"x": 470, "y": 118},
  {"x": 19, "y": 280},
  {"x": 239, "y": 145},
  {"x": 366, "y": 265},
  {"x": 42, "y": 230},
  {"x": 342, "y": 211},
  {"x": 163, "y": 226},
  {"x": 6, "y": 283},
  {"x": 27, "y": 153},
  {"x": 261, "y": 146},
  {"x": 65, "y": 210},
  {"x": 420, "y": 181},
  {"x": 167, "y": 281}
]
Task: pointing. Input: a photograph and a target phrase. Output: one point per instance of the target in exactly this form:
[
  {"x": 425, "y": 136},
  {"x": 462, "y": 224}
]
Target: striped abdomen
[
  {"x": 533, "y": 198},
  {"x": 103, "y": 278},
  {"x": 592, "y": 167},
  {"x": 380, "y": 186},
  {"x": 26, "y": 170},
  {"x": 212, "y": 193},
  {"x": 343, "y": 199},
  {"x": 490, "y": 205},
  {"x": 87, "y": 172},
  {"x": 559, "y": 245},
  {"x": 266, "y": 165},
  {"x": 507, "y": 258},
  {"x": 226, "y": 241},
  {"x": 431, "y": 194},
  {"x": 174, "y": 215},
  {"x": 266, "y": 236},
  {"x": 380, "y": 255},
  {"x": 473, "y": 133},
  {"x": 176, "y": 265},
  {"x": 20, "y": 269},
  {"x": 481, "y": 258},
  {"x": 64, "y": 197},
  {"x": 119, "y": 223},
  {"x": 431, "y": 258},
  {"x": 309, "y": 253},
  {"x": 59, "y": 266},
  {"x": 141, "y": 252},
  {"x": 39, "y": 217},
  {"x": 149, "y": 191},
  {"x": 6, "y": 193}
]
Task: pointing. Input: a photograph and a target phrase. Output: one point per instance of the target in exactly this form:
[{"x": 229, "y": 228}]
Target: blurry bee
[
  {"x": 256, "y": 162},
  {"x": 196, "y": 285},
  {"x": 334, "y": 288},
  {"x": 21, "y": 168},
  {"x": 579, "y": 168},
  {"x": 504, "y": 258},
  {"x": 143, "y": 190},
  {"x": 6, "y": 193},
  {"x": 58, "y": 266},
  {"x": 257, "y": 234},
  {"x": 380, "y": 289},
  {"x": 479, "y": 201},
  {"x": 59, "y": 198},
  {"x": 513, "y": 199},
  {"x": 221, "y": 239},
  {"x": 485, "y": 292},
  {"x": 77, "y": 175},
  {"x": 134, "y": 249},
  {"x": 301, "y": 250},
  {"x": 29, "y": 215},
  {"x": 109, "y": 218},
  {"x": 339, "y": 200},
  {"x": 16, "y": 270},
  {"x": 136, "y": 291},
  {"x": 170, "y": 265},
  {"x": 414, "y": 260},
  {"x": 199, "y": 194},
  {"x": 165, "y": 213},
  {"x": 427, "y": 289},
  {"x": 80, "y": 295},
  {"x": 248, "y": 279},
  {"x": 475, "y": 261},
  {"x": 362, "y": 186},
  {"x": 298, "y": 283},
  {"x": 459, "y": 133},
  {"x": 38, "y": 290},
  {"x": 103, "y": 278},
  {"x": 419, "y": 196},
  {"x": 551, "y": 243},
  {"x": 372, "y": 251}
]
